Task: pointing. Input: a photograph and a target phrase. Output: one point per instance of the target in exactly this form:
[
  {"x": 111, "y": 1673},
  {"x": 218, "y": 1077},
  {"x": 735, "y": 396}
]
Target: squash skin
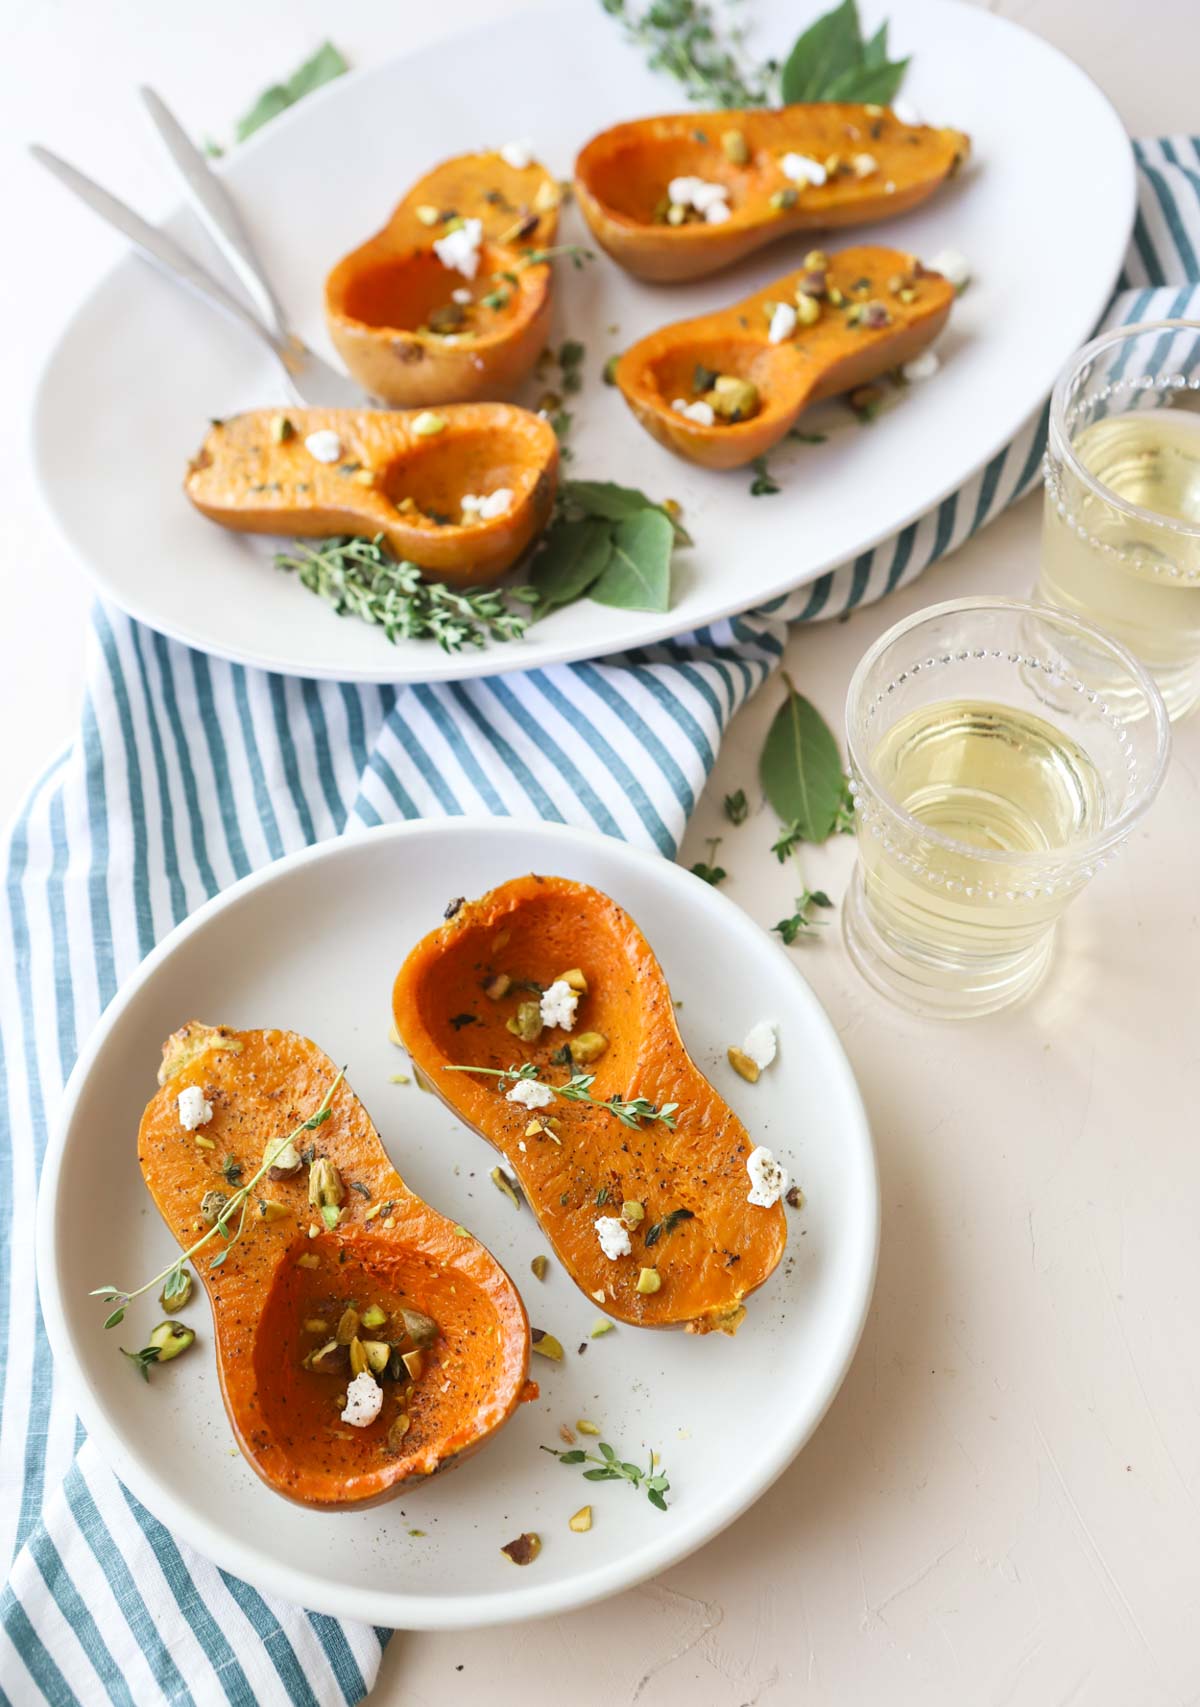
[
  {"x": 818, "y": 361},
  {"x": 377, "y": 295},
  {"x": 244, "y": 480},
  {"x": 261, "y": 1084},
  {"x": 710, "y": 1264},
  {"x": 621, "y": 174}
]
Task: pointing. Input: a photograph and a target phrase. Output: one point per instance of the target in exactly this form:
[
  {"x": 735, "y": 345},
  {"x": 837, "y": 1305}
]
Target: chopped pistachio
[
  {"x": 428, "y": 425},
  {"x": 374, "y": 1316},
  {"x": 316, "y": 1325},
  {"x": 328, "y": 1359},
  {"x": 836, "y": 296},
  {"x": 586, "y": 1427},
  {"x": 600, "y": 1327},
  {"x": 526, "y": 1023},
  {"x": 582, "y": 1520},
  {"x": 575, "y": 980},
  {"x": 737, "y": 149},
  {"x": 733, "y": 399},
  {"x": 907, "y": 294},
  {"x": 395, "y": 1434},
  {"x": 428, "y": 215},
  {"x": 547, "y": 197},
  {"x": 498, "y": 987},
  {"x": 325, "y": 1188},
  {"x": 310, "y": 1259},
  {"x": 538, "y": 1267},
  {"x": 546, "y": 1345},
  {"x": 211, "y": 1205},
  {"x": 286, "y": 1159},
  {"x": 524, "y": 1550},
  {"x": 808, "y": 308},
  {"x": 632, "y": 1211},
  {"x": 414, "y": 1362},
  {"x": 676, "y": 214},
  {"x": 610, "y": 370},
  {"x": 363, "y": 477},
  {"x": 281, "y": 429},
  {"x": 180, "y": 1282},
  {"x": 203, "y": 1142},
  {"x": 744, "y": 1065},
  {"x": 421, "y": 1329},
  {"x": 502, "y": 1183},
  {"x": 270, "y": 1210},
  {"x": 588, "y": 1047},
  {"x": 348, "y": 1325},
  {"x": 649, "y": 1280},
  {"x": 170, "y": 1340},
  {"x": 393, "y": 1035},
  {"x": 399, "y": 1079},
  {"x": 358, "y": 1357},
  {"x": 378, "y": 1354},
  {"x": 781, "y": 200}
]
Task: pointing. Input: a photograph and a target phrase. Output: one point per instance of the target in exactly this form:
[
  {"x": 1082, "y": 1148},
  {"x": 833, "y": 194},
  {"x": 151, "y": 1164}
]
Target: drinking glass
[
  {"x": 1121, "y": 531},
  {"x": 992, "y": 777}
]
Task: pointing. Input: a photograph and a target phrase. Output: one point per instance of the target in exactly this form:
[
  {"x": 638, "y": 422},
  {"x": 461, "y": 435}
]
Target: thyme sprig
[
  {"x": 359, "y": 577},
  {"x": 236, "y": 1205},
  {"x": 685, "y": 41},
  {"x": 610, "y": 1468},
  {"x": 630, "y": 1111}
]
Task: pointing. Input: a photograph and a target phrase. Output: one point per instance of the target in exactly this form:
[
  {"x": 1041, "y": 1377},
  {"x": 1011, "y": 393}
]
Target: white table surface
[{"x": 1002, "y": 1508}]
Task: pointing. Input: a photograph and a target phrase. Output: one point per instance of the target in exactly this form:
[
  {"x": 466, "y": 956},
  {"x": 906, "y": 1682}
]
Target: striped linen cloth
[{"x": 188, "y": 773}]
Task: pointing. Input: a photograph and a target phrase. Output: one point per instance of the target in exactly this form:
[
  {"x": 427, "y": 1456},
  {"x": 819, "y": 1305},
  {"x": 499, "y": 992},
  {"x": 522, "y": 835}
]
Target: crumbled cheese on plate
[
  {"x": 364, "y": 1401},
  {"x": 194, "y": 1108},
  {"x": 324, "y": 446},
  {"x": 768, "y": 1181},
  {"x": 613, "y": 1236},
  {"x": 761, "y": 1044},
  {"x": 530, "y": 1093},
  {"x": 558, "y": 1005},
  {"x": 459, "y": 250}
]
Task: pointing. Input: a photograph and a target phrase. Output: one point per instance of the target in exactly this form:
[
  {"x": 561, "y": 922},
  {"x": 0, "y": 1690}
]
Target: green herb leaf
[
  {"x": 573, "y": 558},
  {"x": 877, "y": 84},
  {"x": 801, "y": 769},
  {"x": 326, "y": 64},
  {"x": 764, "y": 485},
  {"x": 668, "y": 1224},
  {"x": 801, "y": 921},
  {"x": 707, "y": 870},
  {"x": 827, "y": 48},
  {"x": 614, "y": 503},
  {"x": 638, "y": 573},
  {"x": 736, "y": 806}
]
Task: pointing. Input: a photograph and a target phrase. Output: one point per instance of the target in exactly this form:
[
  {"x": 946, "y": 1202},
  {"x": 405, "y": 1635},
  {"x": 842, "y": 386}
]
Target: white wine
[
  {"x": 1136, "y": 578},
  {"x": 990, "y": 778}
]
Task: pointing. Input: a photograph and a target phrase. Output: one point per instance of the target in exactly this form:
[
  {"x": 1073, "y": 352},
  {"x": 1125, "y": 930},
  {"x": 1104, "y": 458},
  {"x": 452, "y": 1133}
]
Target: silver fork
[{"x": 306, "y": 378}]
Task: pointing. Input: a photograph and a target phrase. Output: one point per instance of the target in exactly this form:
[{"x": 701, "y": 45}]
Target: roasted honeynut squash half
[
  {"x": 823, "y": 165},
  {"x": 415, "y": 331},
  {"x": 682, "y": 1194},
  {"x": 392, "y": 1285},
  {"x": 857, "y": 314},
  {"x": 404, "y": 475}
]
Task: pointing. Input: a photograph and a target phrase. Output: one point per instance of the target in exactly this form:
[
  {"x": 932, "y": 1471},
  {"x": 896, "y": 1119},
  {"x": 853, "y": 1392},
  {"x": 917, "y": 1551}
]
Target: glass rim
[
  {"x": 1059, "y": 439},
  {"x": 1033, "y": 859}
]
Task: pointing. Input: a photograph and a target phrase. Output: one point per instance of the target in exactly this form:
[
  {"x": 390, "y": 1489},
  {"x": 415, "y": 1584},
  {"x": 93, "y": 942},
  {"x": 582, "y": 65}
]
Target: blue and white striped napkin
[{"x": 187, "y": 773}]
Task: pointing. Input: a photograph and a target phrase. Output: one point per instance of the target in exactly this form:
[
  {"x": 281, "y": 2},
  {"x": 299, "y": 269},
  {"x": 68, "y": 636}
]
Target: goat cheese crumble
[
  {"x": 613, "y": 1236},
  {"x": 531, "y": 1093},
  {"x": 699, "y": 411},
  {"x": 783, "y": 323},
  {"x": 558, "y": 1005},
  {"x": 712, "y": 200},
  {"x": 324, "y": 445},
  {"x": 768, "y": 1181},
  {"x": 488, "y": 507},
  {"x": 953, "y": 266},
  {"x": 194, "y": 1108},
  {"x": 518, "y": 154},
  {"x": 906, "y": 113},
  {"x": 761, "y": 1044},
  {"x": 459, "y": 250},
  {"x": 923, "y": 366},
  {"x": 800, "y": 169},
  {"x": 364, "y": 1401}
]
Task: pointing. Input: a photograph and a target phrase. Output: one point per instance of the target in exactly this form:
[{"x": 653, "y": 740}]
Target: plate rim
[
  {"x": 399, "y": 1609},
  {"x": 656, "y": 627}
]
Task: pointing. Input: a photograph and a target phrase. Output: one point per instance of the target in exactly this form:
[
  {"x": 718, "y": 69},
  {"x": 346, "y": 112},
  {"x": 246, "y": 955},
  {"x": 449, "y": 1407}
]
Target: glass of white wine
[
  {"x": 1121, "y": 537},
  {"x": 991, "y": 780}
]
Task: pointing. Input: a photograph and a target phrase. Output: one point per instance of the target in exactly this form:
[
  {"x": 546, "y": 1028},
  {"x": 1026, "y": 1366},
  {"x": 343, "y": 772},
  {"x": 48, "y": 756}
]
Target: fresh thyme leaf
[
  {"x": 359, "y": 577},
  {"x": 326, "y": 64},
  {"x": 637, "y": 575},
  {"x": 706, "y": 870},
  {"x": 801, "y": 770},
  {"x": 737, "y": 806},
  {"x": 801, "y": 921},
  {"x": 574, "y": 555},
  {"x": 764, "y": 485},
  {"x": 808, "y": 438},
  {"x": 232, "y": 1170},
  {"x": 664, "y": 1228},
  {"x": 610, "y": 1468}
]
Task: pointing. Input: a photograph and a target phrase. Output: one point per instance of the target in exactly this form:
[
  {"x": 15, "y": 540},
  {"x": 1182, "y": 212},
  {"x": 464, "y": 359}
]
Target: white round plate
[
  {"x": 313, "y": 944},
  {"x": 128, "y": 392}
]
